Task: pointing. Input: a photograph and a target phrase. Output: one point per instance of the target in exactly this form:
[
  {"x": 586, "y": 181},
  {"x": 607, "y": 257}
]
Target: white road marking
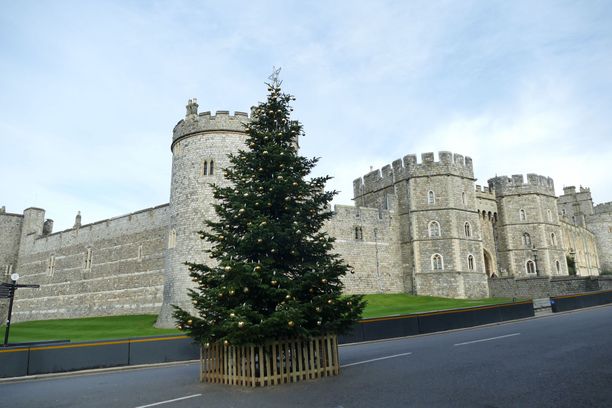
[
  {"x": 169, "y": 401},
  {"x": 489, "y": 339},
  {"x": 375, "y": 359}
]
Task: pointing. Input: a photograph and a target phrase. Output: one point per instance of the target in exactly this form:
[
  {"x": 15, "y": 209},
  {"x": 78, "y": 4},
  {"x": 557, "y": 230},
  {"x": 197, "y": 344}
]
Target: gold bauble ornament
[
  {"x": 319, "y": 322},
  {"x": 190, "y": 322},
  {"x": 241, "y": 324},
  {"x": 228, "y": 268},
  {"x": 241, "y": 210},
  {"x": 330, "y": 301},
  {"x": 349, "y": 303},
  {"x": 232, "y": 315},
  {"x": 323, "y": 280},
  {"x": 295, "y": 184},
  {"x": 245, "y": 290},
  {"x": 259, "y": 240},
  {"x": 290, "y": 323},
  {"x": 288, "y": 297},
  {"x": 231, "y": 292},
  {"x": 274, "y": 283},
  {"x": 225, "y": 343},
  {"x": 318, "y": 309},
  {"x": 258, "y": 268},
  {"x": 207, "y": 345}
]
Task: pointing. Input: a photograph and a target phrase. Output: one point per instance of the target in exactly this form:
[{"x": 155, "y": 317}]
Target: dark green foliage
[{"x": 276, "y": 276}]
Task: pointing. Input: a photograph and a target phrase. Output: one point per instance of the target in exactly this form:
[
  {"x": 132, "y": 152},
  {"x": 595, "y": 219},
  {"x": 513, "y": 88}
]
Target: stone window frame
[
  {"x": 139, "y": 255},
  {"x": 467, "y": 229},
  {"x": 358, "y": 233},
  {"x": 434, "y": 229},
  {"x": 8, "y": 269},
  {"x": 51, "y": 265},
  {"x": 527, "y": 240},
  {"x": 558, "y": 265},
  {"x": 463, "y": 198},
  {"x": 172, "y": 239},
  {"x": 431, "y": 197},
  {"x": 553, "y": 239},
  {"x": 437, "y": 262},
  {"x": 208, "y": 167},
  {"x": 549, "y": 215},
  {"x": 530, "y": 268},
  {"x": 470, "y": 262},
  {"x": 522, "y": 215},
  {"x": 88, "y": 258}
]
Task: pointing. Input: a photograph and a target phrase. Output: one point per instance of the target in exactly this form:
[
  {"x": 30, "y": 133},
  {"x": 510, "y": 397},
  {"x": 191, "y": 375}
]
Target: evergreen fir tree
[{"x": 276, "y": 275}]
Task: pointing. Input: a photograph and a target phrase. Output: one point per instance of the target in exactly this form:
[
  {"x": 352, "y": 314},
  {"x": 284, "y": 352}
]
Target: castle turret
[
  {"x": 442, "y": 253},
  {"x": 530, "y": 238},
  {"x": 576, "y": 206},
  {"x": 200, "y": 147}
]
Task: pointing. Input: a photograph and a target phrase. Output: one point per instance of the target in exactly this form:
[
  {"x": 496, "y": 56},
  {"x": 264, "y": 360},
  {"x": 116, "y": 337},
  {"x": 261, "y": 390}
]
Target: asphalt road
[{"x": 562, "y": 360}]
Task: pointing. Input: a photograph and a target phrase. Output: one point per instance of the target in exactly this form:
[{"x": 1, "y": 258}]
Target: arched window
[
  {"x": 358, "y": 233},
  {"x": 434, "y": 229},
  {"x": 205, "y": 168},
  {"x": 470, "y": 260},
  {"x": 212, "y": 168},
  {"x": 558, "y": 265},
  {"x": 522, "y": 215},
  {"x": 574, "y": 219},
  {"x": 463, "y": 199},
  {"x": 530, "y": 266},
  {"x": 431, "y": 197},
  {"x": 553, "y": 239},
  {"x": 527, "y": 240},
  {"x": 549, "y": 215},
  {"x": 437, "y": 263},
  {"x": 468, "y": 229}
]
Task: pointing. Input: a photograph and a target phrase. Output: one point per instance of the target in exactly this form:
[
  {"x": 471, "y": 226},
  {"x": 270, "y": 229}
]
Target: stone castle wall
[
  {"x": 110, "y": 267},
  {"x": 367, "y": 239},
  {"x": 600, "y": 223},
  {"x": 487, "y": 215},
  {"x": 581, "y": 245},
  {"x": 135, "y": 263},
  {"x": 543, "y": 287},
  {"x": 10, "y": 231}
]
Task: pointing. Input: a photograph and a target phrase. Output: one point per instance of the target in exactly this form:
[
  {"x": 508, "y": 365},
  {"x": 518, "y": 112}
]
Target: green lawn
[
  {"x": 394, "y": 304},
  {"x": 92, "y": 328},
  {"x": 116, "y": 327}
]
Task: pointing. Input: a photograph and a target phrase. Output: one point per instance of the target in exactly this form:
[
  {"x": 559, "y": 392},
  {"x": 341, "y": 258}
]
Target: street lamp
[{"x": 8, "y": 291}]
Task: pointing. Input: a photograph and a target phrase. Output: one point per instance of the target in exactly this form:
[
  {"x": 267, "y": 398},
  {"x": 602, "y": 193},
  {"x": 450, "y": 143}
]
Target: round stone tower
[
  {"x": 200, "y": 147},
  {"x": 530, "y": 241}
]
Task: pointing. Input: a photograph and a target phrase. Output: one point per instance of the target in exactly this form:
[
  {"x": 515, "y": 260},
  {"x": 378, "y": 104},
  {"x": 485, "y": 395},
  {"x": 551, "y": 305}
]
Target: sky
[{"x": 90, "y": 91}]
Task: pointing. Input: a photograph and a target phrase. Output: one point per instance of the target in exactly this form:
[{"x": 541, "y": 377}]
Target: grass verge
[
  {"x": 116, "y": 327},
  {"x": 401, "y": 303}
]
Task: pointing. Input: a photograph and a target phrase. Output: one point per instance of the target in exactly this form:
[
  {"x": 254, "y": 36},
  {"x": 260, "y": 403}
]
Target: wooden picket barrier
[{"x": 275, "y": 362}]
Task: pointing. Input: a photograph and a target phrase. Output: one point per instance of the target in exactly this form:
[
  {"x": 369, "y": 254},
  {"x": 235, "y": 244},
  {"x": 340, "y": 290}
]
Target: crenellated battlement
[
  {"x": 484, "y": 190},
  {"x": 408, "y": 167},
  {"x": 603, "y": 208},
  {"x": 516, "y": 184},
  {"x": 203, "y": 122}
]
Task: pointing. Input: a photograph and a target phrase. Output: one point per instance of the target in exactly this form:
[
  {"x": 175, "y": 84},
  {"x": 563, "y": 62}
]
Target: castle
[{"x": 416, "y": 226}]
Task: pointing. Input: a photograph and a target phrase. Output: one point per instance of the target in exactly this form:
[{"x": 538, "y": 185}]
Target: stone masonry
[{"x": 420, "y": 227}]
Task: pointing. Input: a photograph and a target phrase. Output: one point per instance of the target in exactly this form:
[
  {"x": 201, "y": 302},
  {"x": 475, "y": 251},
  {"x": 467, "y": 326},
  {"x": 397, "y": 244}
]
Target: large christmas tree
[{"x": 276, "y": 275}]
